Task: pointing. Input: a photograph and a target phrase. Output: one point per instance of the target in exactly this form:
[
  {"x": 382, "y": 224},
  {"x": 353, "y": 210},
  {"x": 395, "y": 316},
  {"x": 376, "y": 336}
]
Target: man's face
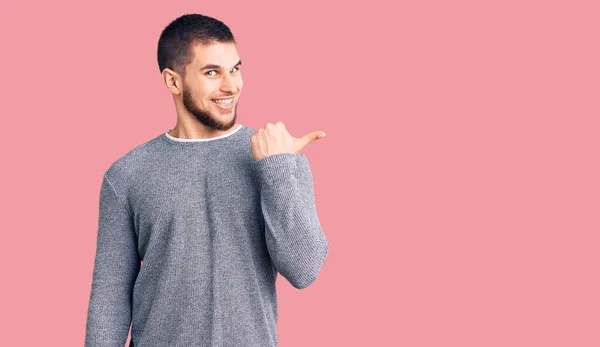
[{"x": 214, "y": 74}]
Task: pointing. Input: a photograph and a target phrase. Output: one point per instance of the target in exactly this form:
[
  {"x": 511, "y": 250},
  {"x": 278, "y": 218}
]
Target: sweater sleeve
[
  {"x": 116, "y": 266},
  {"x": 296, "y": 243}
]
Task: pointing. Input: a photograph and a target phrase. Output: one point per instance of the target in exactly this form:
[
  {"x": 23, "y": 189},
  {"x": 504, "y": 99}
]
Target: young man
[{"x": 196, "y": 223}]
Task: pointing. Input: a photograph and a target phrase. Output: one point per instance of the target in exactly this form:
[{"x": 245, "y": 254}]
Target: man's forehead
[{"x": 216, "y": 54}]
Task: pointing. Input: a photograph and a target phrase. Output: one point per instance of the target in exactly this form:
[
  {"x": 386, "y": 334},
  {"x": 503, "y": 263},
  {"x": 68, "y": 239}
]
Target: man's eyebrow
[{"x": 214, "y": 66}]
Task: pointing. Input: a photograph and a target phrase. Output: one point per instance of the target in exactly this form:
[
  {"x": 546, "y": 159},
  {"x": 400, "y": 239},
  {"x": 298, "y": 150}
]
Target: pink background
[{"x": 457, "y": 185}]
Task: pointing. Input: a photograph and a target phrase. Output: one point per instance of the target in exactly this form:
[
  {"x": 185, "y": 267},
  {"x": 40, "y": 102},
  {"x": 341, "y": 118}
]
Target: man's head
[{"x": 199, "y": 63}]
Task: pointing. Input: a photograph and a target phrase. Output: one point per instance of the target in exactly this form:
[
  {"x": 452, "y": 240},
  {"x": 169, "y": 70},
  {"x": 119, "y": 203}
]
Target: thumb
[{"x": 310, "y": 137}]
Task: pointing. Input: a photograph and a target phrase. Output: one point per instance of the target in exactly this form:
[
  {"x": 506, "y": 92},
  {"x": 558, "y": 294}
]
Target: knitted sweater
[{"x": 192, "y": 234}]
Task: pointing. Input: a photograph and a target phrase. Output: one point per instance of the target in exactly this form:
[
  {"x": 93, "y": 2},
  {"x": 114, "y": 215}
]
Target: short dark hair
[{"x": 177, "y": 41}]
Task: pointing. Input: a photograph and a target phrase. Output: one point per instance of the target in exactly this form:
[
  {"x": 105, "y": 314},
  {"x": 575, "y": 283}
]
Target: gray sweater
[{"x": 191, "y": 237}]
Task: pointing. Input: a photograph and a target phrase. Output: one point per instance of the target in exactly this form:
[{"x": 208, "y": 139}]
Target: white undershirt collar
[{"x": 202, "y": 140}]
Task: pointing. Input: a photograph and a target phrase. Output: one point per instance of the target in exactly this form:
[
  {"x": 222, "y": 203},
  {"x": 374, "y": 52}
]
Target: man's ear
[{"x": 172, "y": 80}]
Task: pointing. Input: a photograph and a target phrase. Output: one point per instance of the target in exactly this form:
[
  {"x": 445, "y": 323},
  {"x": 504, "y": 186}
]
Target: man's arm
[
  {"x": 296, "y": 243},
  {"x": 116, "y": 266}
]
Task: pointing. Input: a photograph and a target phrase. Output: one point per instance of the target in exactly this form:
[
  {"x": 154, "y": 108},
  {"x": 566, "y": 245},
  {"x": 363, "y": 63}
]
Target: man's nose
[{"x": 228, "y": 85}]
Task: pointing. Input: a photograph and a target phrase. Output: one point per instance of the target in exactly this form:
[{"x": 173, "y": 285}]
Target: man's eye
[{"x": 236, "y": 68}]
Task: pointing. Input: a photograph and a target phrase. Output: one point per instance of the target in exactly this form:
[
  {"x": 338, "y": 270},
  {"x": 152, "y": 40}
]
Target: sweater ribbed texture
[{"x": 191, "y": 238}]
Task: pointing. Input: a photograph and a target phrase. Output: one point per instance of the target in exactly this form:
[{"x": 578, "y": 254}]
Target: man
[{"x": 196, "y": 223}]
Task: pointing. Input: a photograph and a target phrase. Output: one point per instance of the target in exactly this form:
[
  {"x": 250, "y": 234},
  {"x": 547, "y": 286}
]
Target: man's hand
[{"x": 275, "y": 139}]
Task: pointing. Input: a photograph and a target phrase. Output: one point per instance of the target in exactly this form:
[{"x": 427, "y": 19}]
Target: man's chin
[{"x": 225, "y": 121}]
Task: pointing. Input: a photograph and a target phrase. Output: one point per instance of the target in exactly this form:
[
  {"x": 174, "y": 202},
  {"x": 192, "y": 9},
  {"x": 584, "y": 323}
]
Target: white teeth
[{"x": 223, "y": 101}]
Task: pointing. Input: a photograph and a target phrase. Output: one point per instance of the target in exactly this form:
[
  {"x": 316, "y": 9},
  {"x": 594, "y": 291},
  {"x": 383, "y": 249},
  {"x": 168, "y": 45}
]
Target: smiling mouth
[{"x": 224, "y": 104}]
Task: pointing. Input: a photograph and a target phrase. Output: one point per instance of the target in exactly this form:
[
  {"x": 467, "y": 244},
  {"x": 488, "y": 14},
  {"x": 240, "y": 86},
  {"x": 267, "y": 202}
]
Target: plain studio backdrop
[{"x": 457, "y": 185}]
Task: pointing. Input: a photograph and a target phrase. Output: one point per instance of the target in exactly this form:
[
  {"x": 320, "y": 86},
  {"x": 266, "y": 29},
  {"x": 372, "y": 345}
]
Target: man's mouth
[{"x": 224, "y": 104}]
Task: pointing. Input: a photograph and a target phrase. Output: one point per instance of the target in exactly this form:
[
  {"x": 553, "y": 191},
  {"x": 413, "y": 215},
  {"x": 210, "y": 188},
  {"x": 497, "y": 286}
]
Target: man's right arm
[{"x": 116, "y": 266}]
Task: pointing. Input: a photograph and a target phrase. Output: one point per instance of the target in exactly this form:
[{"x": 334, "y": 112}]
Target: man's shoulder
[
  {"x": 130, "y": 162},
  {"x": 250, "y": 129}
]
